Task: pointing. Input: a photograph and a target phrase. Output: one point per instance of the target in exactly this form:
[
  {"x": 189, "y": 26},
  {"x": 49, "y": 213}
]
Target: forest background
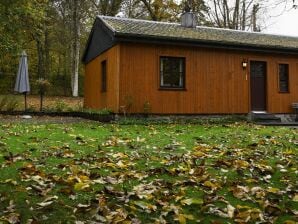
[{"x": 54, "y": 32}]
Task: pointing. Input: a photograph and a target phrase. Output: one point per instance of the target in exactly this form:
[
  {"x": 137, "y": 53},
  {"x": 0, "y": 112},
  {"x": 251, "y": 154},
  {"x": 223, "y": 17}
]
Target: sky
[{"x": 282, "y": 21}]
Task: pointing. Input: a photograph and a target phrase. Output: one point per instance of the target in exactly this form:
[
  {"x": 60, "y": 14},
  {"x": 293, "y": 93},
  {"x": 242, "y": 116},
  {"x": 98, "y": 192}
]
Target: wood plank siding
[
  {"x": 94, "y": 97},
  {"x": 216, "y": 83}
]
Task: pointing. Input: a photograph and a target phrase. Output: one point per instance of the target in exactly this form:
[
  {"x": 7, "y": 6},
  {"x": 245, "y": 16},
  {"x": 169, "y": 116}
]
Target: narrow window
[
  {"x": 172, "y": 72},
  {"x": 104, "y": 76},
  {"x": 283, "y": 78}
]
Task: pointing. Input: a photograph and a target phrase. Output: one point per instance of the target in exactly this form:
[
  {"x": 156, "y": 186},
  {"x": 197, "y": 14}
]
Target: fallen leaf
[
  {"x": 273, "y": 190},
  {"x": 13, "y": 218},
  {"x": 231, "y": 211},
  {"x": 10, "y": 181},
  {"x": 211, "y": 185},
  {"x": 44, "y": 204},
  {"x": 48, "y": 201},
  {"x": 182, "y": 218},
  {"x": 81, "y": 186},
  {"x": 241, "y": 164},
  {"x": 295, "y": 198},
  {"x": 145, "y": 206},
  {"x": 240, "y": 192},
  {"x": 190, "y": 201},
  {"x": 83, "y": 206}
]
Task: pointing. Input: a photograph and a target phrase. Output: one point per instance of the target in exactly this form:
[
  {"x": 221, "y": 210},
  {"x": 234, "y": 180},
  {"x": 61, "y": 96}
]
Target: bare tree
[
  {"x": 232, "y": 14},
  {"x": 161, "y": 10},
  {"x": 243, "y": 14},
  {"x": 255, "y": 10},
  {"x": 107, "y": 7},
  {"x": 133, "y": 9}
]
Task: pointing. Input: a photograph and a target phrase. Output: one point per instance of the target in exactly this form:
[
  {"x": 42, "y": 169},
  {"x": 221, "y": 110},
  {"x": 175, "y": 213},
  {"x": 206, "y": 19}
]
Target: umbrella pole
[{"x": 25, "y": 95}]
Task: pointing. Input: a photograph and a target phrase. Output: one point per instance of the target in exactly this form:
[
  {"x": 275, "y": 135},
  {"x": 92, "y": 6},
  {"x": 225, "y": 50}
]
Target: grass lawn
[{"x": 174, "y": 173}]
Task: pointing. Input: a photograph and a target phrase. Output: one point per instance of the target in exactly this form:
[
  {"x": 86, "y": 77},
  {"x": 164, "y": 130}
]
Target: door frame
[{"x": 266, "y": 81}]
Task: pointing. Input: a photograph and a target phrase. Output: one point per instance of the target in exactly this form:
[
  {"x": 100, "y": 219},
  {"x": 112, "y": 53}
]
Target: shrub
[
  {"x": 60, "y": 106},
  {"x": 78, "y": 107},
  {"x": 147, "y": 107},
  {"x": 12, "y": 104},
  {"x": 125, "y": 109},
  {"x": 9, "y": 103},
  {"x": 43, "y": 85},
  {"x": 31, "y": 108},
  {"x": 3, "y": 102},
  {"x": 105, "y": 111}
]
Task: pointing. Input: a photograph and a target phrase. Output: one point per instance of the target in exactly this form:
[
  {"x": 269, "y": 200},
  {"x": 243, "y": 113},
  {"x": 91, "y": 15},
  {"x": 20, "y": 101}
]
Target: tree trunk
[
  {"x": 227, "y": 14},
  {"x": 243, "y": 25},
  {"x": 75, "y": 48},
  {"x": 217, "y": 19},
  {"x": 150, "y": 10},
  {"x": 47, "y": 53},
  {"x": 254, "y": 18},
  {"x": 40, "y": 53},
  {"x": 236, "y": 15}
]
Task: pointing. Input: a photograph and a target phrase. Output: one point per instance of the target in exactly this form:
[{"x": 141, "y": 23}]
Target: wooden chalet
[{"x": 143, "y": 66}]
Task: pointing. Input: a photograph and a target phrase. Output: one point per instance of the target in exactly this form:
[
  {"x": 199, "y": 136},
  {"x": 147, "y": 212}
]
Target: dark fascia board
[
  {"x": 98, "y": 21},
  {"x": 107, "y": 28},
  {"x": 123, "y": 37},
  {"x": 88, "y": 42}
]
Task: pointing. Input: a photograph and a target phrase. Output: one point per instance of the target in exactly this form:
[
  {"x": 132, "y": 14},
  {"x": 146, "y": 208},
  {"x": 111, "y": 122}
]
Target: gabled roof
[{"x": 123, "y": 29}]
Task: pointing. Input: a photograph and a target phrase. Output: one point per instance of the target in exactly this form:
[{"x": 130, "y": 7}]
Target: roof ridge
[
  {"x": 197, "y": 27},
  {"x": 137, "y": 20}
]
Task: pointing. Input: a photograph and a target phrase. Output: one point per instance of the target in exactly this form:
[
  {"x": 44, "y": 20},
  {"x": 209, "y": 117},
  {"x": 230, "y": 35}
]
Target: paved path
[{"x": 280, "y": 124}]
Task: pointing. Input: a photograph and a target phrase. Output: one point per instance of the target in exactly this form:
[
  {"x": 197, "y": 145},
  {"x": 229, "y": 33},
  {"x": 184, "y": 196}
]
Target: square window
[
  {"x": 172, "y": 72},
  {"x": 283, "y": 78}
]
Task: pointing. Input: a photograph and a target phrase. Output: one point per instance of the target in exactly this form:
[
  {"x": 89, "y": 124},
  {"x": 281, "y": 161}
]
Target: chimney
[{"x": 189, "y": 20}]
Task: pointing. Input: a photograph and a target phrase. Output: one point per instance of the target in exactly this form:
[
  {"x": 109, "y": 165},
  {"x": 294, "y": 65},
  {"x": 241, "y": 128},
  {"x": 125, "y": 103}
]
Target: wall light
[{"x": 244, "y": 63}]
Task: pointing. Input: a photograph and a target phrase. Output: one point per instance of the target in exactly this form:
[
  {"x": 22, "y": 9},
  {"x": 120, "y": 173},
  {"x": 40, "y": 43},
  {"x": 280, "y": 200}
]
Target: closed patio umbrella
[{"x": 22, "y": 82}]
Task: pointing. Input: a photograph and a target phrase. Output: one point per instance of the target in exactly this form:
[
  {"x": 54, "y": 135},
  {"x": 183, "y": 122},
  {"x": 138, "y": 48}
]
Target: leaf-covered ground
[{"x": 93, "y": 173}]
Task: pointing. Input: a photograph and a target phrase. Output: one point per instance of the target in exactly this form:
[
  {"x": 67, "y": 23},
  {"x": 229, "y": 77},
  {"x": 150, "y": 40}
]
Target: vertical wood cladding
[
  {"x": 94, "y": 97},
  {"x": 215, "y": 81}
]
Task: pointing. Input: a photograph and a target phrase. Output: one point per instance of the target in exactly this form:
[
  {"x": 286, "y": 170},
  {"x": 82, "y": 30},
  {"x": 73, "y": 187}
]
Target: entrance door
[{"x": 258, "y": 85}]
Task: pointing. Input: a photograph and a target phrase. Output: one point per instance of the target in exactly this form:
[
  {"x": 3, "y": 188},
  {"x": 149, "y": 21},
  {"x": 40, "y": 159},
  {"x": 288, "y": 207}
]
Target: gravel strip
[{"x": 40, "y": 119}]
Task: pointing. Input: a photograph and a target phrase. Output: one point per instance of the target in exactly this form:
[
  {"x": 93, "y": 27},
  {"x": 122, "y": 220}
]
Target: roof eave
[
  {"x": 83, "y": 58},
  {"x": 110, "y": 30},
  {"x": 128, "y": 37},
  {"x": 100, "y": 18}
]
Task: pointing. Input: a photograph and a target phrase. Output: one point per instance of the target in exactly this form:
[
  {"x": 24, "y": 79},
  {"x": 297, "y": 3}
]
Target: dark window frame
[
  {"x": 103, "y": 76},
  {"x": 162, "y": 85},
  {"x": 283, "y": 79}
]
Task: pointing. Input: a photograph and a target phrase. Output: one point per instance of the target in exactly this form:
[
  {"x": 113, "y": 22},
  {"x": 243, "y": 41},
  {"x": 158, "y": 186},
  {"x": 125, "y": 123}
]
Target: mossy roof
[{"x": 135, "y": 28}]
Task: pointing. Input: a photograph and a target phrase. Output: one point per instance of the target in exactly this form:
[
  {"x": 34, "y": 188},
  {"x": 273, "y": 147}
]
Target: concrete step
[
  {"x": 287, "y": 118},
  {"x": 264, "y": 117},
  {"x": 287, "y": 124}
]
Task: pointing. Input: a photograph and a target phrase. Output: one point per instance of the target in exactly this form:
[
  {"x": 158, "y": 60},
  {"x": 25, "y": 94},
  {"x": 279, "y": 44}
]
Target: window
[
  {"x": 172, "y": 72},
  {"x": 283, "y": 78},
  {"x": 103, "y": 76}
]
